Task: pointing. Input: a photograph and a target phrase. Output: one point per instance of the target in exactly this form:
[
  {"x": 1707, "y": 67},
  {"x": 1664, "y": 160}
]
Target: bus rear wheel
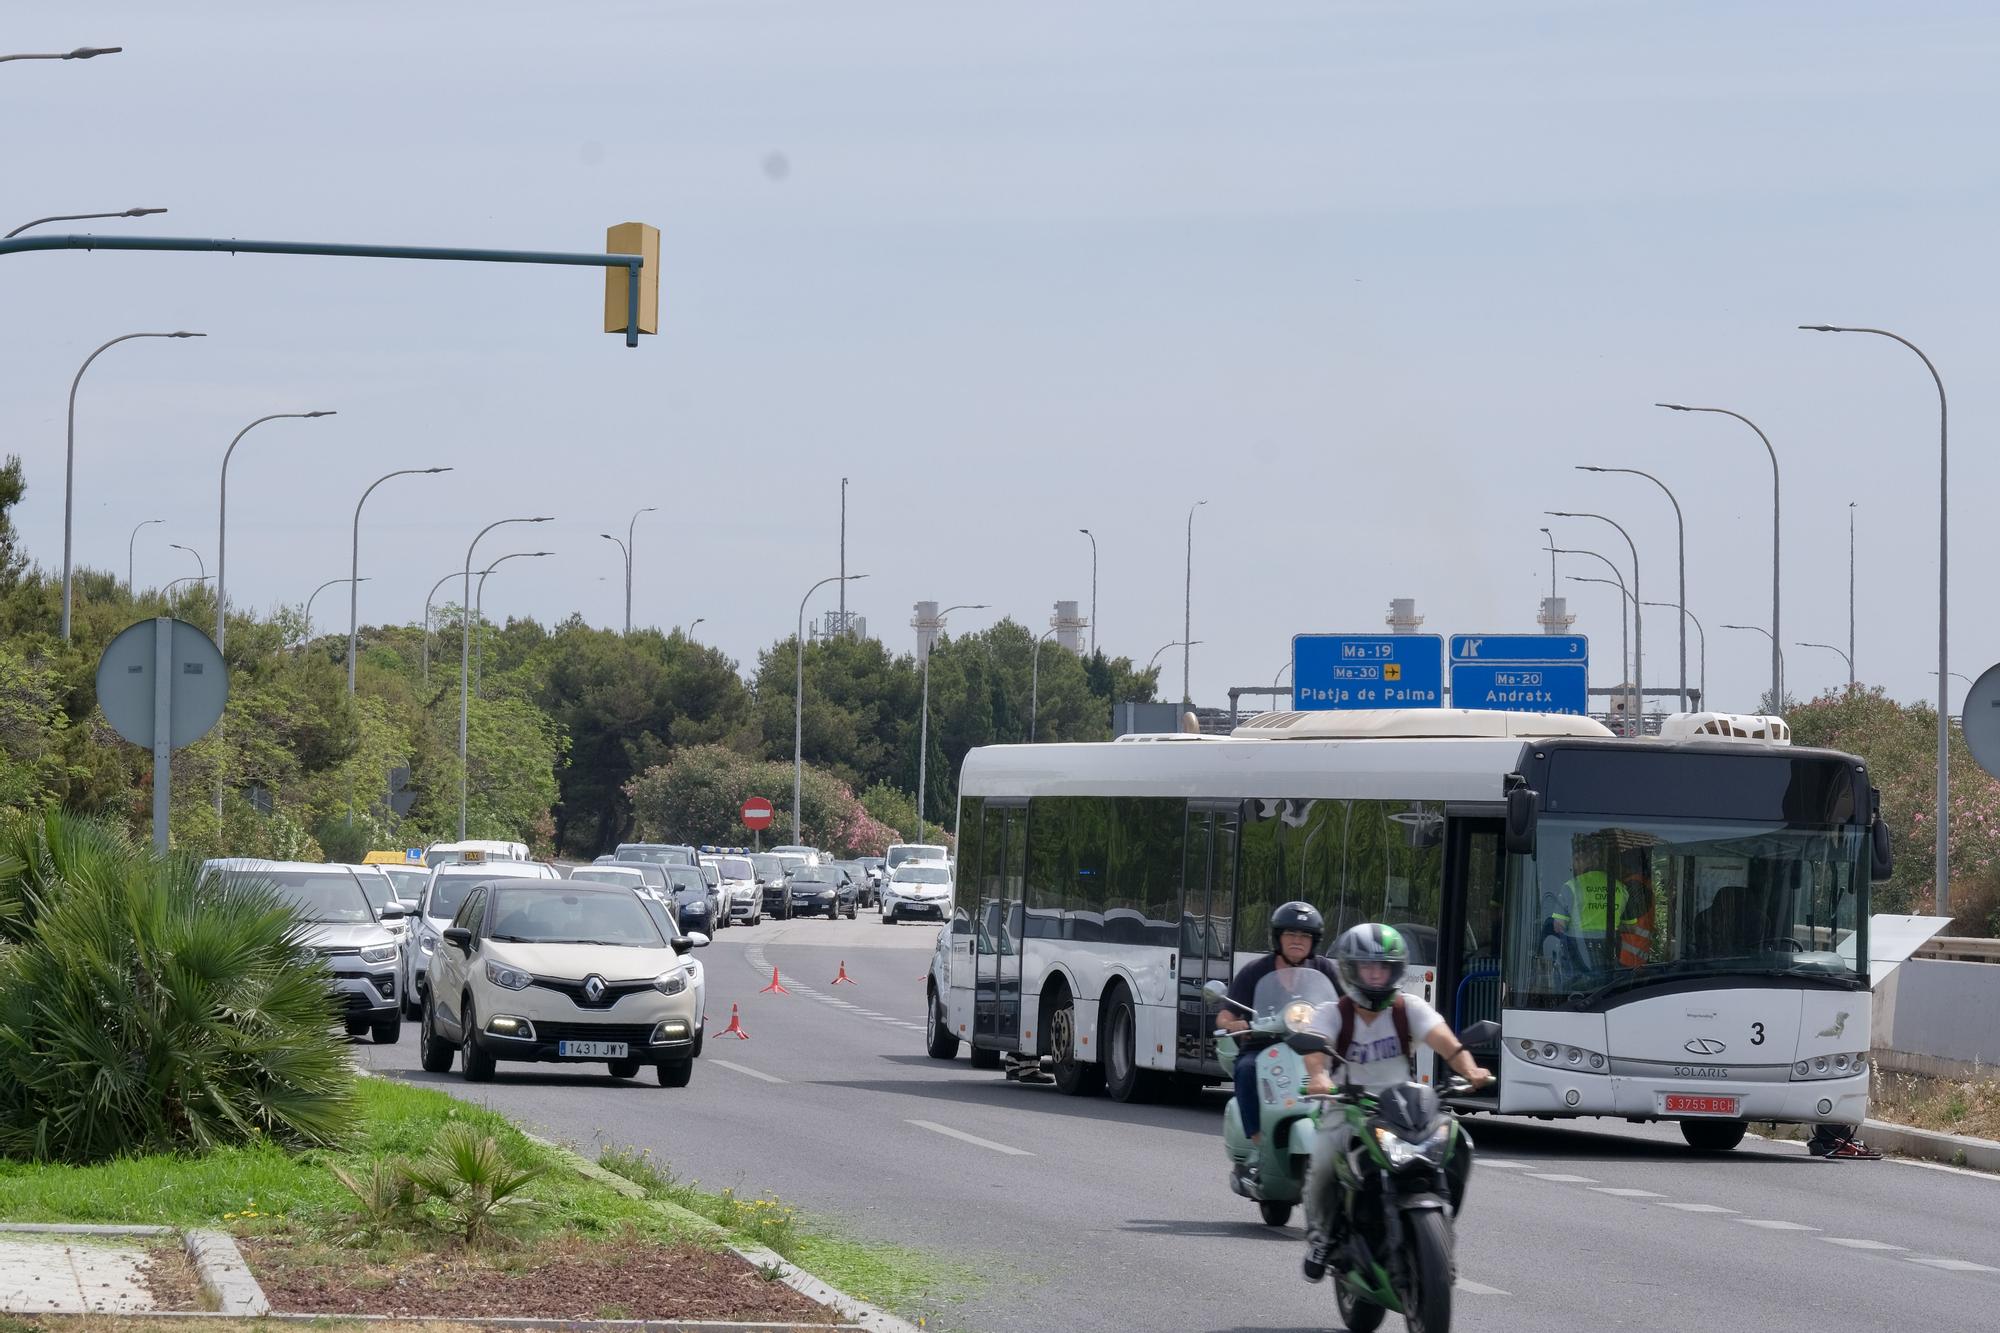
[
  {"x": 1118, "y": 1045},
  {"x": 1713, "y": 1135}
]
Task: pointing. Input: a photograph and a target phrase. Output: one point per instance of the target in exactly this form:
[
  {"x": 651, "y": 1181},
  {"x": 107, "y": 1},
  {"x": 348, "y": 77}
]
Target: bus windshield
[{"x": 1611, "y": 904}]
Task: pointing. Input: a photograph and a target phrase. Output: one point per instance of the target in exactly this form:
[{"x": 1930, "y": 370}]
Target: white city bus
[{"x": 1102, "y": 885}]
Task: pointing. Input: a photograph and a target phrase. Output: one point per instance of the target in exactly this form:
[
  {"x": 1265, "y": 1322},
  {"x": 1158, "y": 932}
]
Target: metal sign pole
[{"x": 163, "y": 728}]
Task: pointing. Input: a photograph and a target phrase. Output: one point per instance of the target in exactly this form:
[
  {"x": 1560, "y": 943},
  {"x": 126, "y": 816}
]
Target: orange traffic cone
[
  {"x": 843, "y": 978},
  {"x": 775, "y": 986},
  {"x": 735, "y": 1026}
]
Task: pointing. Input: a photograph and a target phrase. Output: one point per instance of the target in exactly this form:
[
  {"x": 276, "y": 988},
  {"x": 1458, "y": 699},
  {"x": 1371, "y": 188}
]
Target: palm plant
[
  {"x": 141, "y": 1011},
  {"x": 470, "y": 1178}
]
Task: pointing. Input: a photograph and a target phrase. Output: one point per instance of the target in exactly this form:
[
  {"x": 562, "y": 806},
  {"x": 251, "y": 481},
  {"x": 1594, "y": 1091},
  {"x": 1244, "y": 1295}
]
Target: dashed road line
[
  {"x": 1772, "y": 1224},
  {"x": 1624, "y": 1193},
  {"x": 1562, "y": 1179},
  {"x": 745, "y": 1070},
  {"x": 1466, "y": 1284},
  {"x": 1853, "y": 1243},
  {"x": 973, "y": 1139},
  {"x": 1697, "y": 1208},
  {"x": 1505, "y": 1164},
  {"x": 1950, "y": 1265}
]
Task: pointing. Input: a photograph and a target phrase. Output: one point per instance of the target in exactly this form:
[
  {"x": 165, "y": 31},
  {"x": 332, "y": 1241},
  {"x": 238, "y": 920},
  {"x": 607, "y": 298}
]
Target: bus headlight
[{"x": 1845, "y": 1064}]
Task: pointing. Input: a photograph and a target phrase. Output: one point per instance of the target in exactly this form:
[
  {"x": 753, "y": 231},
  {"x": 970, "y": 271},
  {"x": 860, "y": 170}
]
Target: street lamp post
[
  {"x": 1035, "y": 684},
  {"x": 309, "y": 605},
  {"x": 168, "y": 591},
  {"x": 1943, "y": 869},
  {"x": 1093, "y": 592},
  {"x": 199, "y": 563},
  {"x": 465, "y": 658},
  {"x": 689, "y": 635},
  {"x": 222, "y": 518},
  {"x": 799, "y": 698},
  {"x": 1759, "y": 629},
  {"x": 1154, "y": 661},
  {"x": 924, "y": 715},
  {"x": 1187, "y": 607},
  {"x": 1850, "y": 594},
  {"x": 1777, "y": 665},
  {"x": 625, "y": 559},
  {"x": 428, "y": 599},
  {"x": 354, "y": 567},
  {"x": 1843, "y": 657},
  {"x": 82, "y": 217},
  {"x": 130, "y": 588},
  {"x": 69, "y": 459},
  {"x": 1681, "y": 547},
  {"x": 479, "y": 605},
  {"x": 1624, "y": 645},
  {"x": 630, "y": 544},
  {"x": 1701, "y": 637},
  {"x": 1552, "y": 559},
  {"x": 1638, "y": 626}
]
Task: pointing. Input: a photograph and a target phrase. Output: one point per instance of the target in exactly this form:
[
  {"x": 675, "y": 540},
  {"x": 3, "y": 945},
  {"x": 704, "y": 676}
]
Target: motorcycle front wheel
[
  {"x": 1360, "y": 1314},
  {"x": 1427, "y": 1306}
]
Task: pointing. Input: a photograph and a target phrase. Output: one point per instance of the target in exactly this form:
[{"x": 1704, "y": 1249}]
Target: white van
[{"x": 914, "y": 851}]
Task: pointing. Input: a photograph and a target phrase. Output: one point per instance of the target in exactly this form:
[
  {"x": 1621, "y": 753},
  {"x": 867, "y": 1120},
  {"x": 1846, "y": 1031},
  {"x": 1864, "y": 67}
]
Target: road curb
[
  {"x": 856, "y": 1313},
  {"x": 1931, "y": 1145},
  {"x": 459, "y": 1321}
]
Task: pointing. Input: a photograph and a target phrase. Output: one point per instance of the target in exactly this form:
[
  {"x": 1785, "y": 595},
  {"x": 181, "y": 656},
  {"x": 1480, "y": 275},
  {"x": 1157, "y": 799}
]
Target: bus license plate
[
  {"x": 1689, "y": 1103},
  {"x": 599, "y": 1050}
]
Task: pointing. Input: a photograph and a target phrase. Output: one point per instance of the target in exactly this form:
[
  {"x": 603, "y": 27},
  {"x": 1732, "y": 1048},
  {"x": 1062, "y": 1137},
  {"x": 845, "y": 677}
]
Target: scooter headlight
[{"x": 1297, "y": 1015}]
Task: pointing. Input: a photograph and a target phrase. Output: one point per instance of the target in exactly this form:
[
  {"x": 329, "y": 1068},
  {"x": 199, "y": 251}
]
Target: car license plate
[
  {"x": 592, "y": 1050},
  {"x": 1690, "y": 1103}
]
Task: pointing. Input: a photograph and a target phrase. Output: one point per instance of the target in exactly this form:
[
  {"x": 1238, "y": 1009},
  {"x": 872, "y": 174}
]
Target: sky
[{"x": 1370, "y": 279}]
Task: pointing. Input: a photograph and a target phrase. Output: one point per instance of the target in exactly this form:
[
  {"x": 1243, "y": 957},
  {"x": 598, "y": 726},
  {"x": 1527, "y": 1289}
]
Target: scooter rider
[
  {"x": 1373, "y": 1030},
  {"x": 1296, "y": 931}
]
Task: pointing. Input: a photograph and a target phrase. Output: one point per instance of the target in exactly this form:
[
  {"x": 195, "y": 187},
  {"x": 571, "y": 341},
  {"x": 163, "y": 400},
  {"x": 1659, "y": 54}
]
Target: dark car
[
  {"x": 693, "y": 901},
  {"x": 820, "y": 890},
  {"x": 864, "y": 883}
]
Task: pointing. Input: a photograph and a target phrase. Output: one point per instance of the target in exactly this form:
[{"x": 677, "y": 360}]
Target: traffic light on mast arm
[{"x": 632, "y": 238}]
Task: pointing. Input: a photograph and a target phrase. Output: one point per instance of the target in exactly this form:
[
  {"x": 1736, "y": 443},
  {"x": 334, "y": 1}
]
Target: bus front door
[
  {"x": 997, "y": 928},
  {"x": 1471, "y": 935},
  {"x": 1208, "y": 913}
]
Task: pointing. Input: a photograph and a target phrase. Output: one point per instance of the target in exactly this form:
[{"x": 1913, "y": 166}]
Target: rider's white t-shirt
[{"x": 1374, "y": 1058}]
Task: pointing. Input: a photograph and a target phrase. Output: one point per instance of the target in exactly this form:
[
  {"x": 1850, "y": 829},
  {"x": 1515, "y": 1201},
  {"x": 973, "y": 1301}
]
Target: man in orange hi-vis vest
[{"x": 1635, "y": 925}]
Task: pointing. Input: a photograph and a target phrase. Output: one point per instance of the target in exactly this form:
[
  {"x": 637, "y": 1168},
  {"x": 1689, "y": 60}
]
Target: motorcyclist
[
  {"x": 1373, "y": 1030},
  {"x": 1296, "y": 931}
]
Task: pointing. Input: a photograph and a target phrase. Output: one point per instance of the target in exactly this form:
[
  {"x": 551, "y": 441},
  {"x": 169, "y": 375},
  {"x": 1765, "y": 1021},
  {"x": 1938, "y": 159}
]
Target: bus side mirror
[
  {"x": 1522, "y": 806},
  {"x": 1881, "y": 857}
]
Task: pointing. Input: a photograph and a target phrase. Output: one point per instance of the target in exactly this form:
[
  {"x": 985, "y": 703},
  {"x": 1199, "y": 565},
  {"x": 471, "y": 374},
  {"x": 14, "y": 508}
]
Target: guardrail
[{"x": 1960, "y": 949}]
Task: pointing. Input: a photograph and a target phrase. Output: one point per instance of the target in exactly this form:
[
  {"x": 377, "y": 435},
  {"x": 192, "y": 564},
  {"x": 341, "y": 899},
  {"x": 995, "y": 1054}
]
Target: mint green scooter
[{"x": 1283, "y": 1004}]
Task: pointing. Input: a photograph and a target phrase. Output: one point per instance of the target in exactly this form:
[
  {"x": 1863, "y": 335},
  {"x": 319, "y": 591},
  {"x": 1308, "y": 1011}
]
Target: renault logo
[
  {"x": 593, "y": 988},
  {"x": 1704, "y": 1046}
]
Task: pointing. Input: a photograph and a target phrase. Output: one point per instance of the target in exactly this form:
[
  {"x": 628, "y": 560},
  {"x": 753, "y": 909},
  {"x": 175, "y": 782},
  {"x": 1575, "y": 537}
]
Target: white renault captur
[
  {"x": 569, "y": 971},
  {"x": 917, "y": 890}
]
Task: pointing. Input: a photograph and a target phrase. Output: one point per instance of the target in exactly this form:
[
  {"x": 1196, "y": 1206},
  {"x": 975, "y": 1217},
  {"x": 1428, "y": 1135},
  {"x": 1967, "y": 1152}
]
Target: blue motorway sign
[
  {"x": 1521, "y": 673},
  {"x": 1351, "y": 671}
]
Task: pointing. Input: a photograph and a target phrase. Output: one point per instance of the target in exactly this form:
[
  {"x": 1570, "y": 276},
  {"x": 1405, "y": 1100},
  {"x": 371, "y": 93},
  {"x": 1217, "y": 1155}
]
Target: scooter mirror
[
  {"x": 1480, "y": 1033},
  {"x": 1218, "y": 989}
]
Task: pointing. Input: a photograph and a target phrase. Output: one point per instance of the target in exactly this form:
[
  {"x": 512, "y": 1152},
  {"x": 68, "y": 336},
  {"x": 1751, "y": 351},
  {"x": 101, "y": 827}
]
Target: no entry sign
[{"x": 756, "y": 813}]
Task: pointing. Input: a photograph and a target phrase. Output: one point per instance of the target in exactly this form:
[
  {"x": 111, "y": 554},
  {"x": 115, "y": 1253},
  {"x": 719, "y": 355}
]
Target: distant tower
[
  {"x": 1403, "y": 617},
  {"x": 1069, "y": 627},
  {"x": 926, "y": 624},
  {"x": 1555, "y": 617}
]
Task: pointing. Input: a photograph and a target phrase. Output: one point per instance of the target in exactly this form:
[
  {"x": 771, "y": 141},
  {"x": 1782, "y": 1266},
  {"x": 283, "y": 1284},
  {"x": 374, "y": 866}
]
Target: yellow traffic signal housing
[{"x": 632, "y": 238}]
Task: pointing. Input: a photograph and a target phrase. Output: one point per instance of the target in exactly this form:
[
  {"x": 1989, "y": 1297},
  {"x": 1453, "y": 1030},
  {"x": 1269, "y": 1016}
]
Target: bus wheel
[
  {"x": 1713, "y": 1135},
  {"x": 939, "y": 1041},
  {"x": 1124, "y": 1081},
  {"x": 1074, "y": 1077}
]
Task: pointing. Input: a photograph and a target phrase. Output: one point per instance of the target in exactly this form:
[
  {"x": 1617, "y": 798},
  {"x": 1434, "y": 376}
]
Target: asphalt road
[{"x": 1080, "y": 1214}]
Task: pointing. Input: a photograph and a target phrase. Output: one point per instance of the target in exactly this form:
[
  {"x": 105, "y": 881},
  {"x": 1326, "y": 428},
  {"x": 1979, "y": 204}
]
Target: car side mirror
[
  {"x": 681, "y": 944},
  {"x": 1523, "y": 806},
  {"x": 394, "y": 911},
  {"x": 459, "y": 936},
  {"x": 697, "y": 940}
]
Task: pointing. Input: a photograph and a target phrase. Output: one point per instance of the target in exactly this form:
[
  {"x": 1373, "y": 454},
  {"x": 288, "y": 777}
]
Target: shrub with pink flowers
[{"x": 697, "y": 797}]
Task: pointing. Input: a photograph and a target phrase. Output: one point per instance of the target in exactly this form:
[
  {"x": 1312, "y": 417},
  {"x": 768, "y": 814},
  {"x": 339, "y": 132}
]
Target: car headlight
[
  {"x": 379, "y": 953},
  {"x": 1297, "y": 1014},
  {"x": 427, "y": 943},
  {"x": 508, "y": 978},
  {"x": 670, "y": 983},
  {"x": 1401, "y": 1152}
]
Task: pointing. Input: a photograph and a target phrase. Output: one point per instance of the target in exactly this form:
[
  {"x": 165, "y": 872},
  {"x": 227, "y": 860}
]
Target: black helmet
[
  {"x": 1370, "y": 942},
  {"x": 1298, "y": 916}
]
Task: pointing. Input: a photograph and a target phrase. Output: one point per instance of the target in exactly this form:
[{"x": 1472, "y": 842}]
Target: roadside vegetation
[{"x": 1946, "y": 1105}]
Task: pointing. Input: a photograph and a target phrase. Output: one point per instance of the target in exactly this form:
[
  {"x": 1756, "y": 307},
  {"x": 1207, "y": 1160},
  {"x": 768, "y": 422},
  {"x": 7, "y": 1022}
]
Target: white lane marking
[
  {"x": 1697, "y": 1208},
  {"x": 1505, "y": 1164},
  {"x": 1853, "y": 1244},
  {"x": 1562, "y": 1179},
  {"x": 1987, "y": 1176},
  {"x": 1769, "y": 1224},
  {"x": 1953, "y": 1265},
  {"x": 1466, "y": 1284},
  {"x": 1625, "y": 1194},
  {"x": 745, "y": 1070},
  {"x": 964, "y": 1137}
]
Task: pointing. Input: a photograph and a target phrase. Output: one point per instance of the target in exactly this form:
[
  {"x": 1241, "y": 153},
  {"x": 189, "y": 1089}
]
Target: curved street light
[
  {"x": 799, "y": 698},
  {"x": 81, "y": 217},
  {"x": 354, "y": 565},
  {"x": 222, "y": 517},
  {"x": 1800, "y": 643},
  {"x": 1638, "y": 627},
  {"x": 1163, "y": 647},
  {"x": 1188, "y": 640},
  {"x": 1680, "y": 543},
  {"x": 465, "y": 659},
  {"x": 479, "y": 605},
  {"x": 1624, "y": 647},
  {"x": 1701, "y": 637},
  {"x": 631, "y": 543},
  {"x": 924, "y": 723},
  {"x": 1777, "y": 703},
  {"x": 1943, "y": 853},
  {"x": 129, "y": 542},
  {"x": 81, "y": 53},
  {"x": 199, "y": 563},
  {"x": 1035, "y": 684},
  {"x": 309, "y": 606},
  {"x": 69, "y": 451},
  {"x": 1093, "y": 593}
]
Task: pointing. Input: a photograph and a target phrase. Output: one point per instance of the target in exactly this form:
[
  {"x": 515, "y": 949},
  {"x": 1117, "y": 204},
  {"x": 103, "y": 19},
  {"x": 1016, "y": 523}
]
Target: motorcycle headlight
[
  {"x": 1297, "y": 1015},
  {"x": 508, "y": 978},
  {"x": 379, "y": 953},
  {"x": 1401, "y": 1152},
  {"x": 670, "y": 983}
]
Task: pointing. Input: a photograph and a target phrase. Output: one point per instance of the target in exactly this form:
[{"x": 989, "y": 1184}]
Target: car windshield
[
  {"x": 409, "y": 883},
  {"x": 812, "y": 875},
  {"x": 768, "y": 866},
  {"x": 737, "y": 867},
  {"x": 1605, "y": 906},
  {"x": 537, "y": 915},
  {"x": 448, "y": 894},
  {"x": 913, "y": 852},
  {"x": 686, "y": 877},
  {"x": 377, "y": 888},
  {"x": 921, "y": 875},
  {"x": 793, "y": 864},
  {"x": 330, "y": 897},
  {"x": 610, "y": 875}
]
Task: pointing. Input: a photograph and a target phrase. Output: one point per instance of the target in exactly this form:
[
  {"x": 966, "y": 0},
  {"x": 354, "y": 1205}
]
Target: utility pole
[{"x": 843, "y": 556}]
